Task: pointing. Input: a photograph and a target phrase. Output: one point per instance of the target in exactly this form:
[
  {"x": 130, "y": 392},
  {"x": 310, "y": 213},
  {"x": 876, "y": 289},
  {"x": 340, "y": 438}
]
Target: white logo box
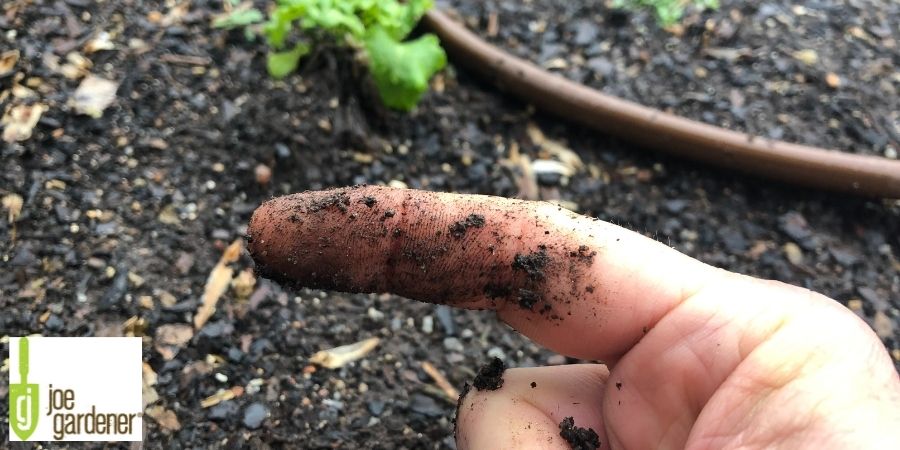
[{"x": 94, "y": 375}]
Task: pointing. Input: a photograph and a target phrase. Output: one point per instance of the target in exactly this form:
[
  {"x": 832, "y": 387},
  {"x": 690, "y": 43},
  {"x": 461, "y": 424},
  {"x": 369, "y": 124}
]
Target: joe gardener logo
[
  {"x": 75, "y": 389},
  {"x": 23, "y": 398}
]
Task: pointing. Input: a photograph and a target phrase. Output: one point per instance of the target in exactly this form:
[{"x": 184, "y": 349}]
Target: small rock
[
  {"x": 254, "y": 415},
  {"x": 845, "y": 256},
  {"x": 496, "y": 352},
  {"x": 794, "y": 225},
  {"x": 235, "y": 354},
  {"x": 224, "y": 410},
  {"x": 675, "y": 206},
  {"x": 427, "y": 324},
  {"x": 833, "y": 80},
  {"x": 556, "y": 360},
  {"x": 586, "y": 32},
  {"x": 452, "y": 344},
  {"x": 870, "y": 296},
  {"x": 425, "y": 405},
  {"x": 445, "y": 317},
  {"x": 375, "y": 314},
  {"x": 54, "y": 323},
  {"x": 734, "y": 240},
  {"x": 376, "y": 407}
]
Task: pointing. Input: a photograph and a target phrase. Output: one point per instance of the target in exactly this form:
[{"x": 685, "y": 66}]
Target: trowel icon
[{"x": 23, "y": 398}]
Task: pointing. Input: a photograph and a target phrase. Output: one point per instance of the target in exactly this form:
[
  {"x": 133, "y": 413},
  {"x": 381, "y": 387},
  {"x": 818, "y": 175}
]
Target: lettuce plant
[{"x": 379, "y": 29}]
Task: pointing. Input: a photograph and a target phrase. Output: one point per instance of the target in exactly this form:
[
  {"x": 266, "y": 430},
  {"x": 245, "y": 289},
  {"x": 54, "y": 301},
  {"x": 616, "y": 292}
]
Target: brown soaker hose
[{"x": 793, "y": 163}]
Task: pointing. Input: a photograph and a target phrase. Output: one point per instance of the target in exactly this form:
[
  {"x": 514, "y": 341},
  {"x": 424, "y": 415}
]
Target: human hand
[{"x": 694, "y": 356}]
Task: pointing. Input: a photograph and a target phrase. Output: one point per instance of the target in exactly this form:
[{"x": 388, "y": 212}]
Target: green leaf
[
  {"x": 279, "y": 24},
  {"x": 401, "y": 70},
  {"x": 668, "y": 12},
  {"x": 239, "y": 18},
  {"x": 281, "y": 64}
]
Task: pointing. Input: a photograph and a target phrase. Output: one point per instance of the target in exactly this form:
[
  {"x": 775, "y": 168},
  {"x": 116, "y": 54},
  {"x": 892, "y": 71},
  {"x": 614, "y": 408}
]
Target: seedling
[
  {"x": 668, "y": 12},
  {"x": 377, "y": 28}
]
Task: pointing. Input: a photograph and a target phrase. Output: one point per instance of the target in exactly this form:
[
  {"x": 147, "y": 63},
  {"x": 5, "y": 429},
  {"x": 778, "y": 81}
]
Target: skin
[{"x": 694, "y": 356}]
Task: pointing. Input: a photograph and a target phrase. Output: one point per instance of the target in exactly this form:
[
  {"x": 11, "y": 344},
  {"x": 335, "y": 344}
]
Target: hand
[{"x": 694, "y": 356}]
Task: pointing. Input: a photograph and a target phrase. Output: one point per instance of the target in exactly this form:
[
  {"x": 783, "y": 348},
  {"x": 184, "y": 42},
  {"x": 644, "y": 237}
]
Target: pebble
[
  {"x": 425, "y": 405},
  {"x": 445, "y": 316},
  {"x": 54, "y": 323},
  {"x": 600, "y": 65},
  {"x": 223, "y": 410},
  {"x": 427, "y": 324},
  {"x": 375, "y": 314},
  {"x": 496, "y": 352},
  {"x": 254, "y": 415},
  {"x": 845, "y": 256},
  {"x": 376, "y": 407},
  {"x": 869, "y": 295},
  {"x": 454, "y": 358},
  {"x": 452, "y": 344},
  {"x": 586, "y": 32},
  {"x": 556, "y": 360}
]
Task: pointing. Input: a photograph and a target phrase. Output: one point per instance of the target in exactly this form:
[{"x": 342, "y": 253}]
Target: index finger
[{"x": 582, "y": 287}]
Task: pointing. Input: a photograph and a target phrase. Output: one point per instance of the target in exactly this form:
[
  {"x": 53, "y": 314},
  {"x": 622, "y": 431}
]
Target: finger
[
  {"x": 589, "y": 289},
  {"x": 549, "y": 273},
  {"x": 525, "y": 413}
]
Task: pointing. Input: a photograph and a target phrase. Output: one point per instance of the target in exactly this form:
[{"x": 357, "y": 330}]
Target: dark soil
[
  {"x": 490, "y": 376},
  {"x": 458, "y": 229},
  {"x": 577, "y": 437},
  {"x": 125, "y": 216},
  {"x": 759, "y": 67},
  {"x": 532, "y": 264}
]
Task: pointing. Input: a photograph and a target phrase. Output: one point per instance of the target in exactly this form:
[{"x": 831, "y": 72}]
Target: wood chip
[
  {"x": 440, "y": 380},
  {"x": 148, "y": 378},
  {"x": 340, "y": 356},
  {"x": 243, "y": 284},
  {"x": 170, "y": 338},
  {"x": 221, "y": 396},
  {"x": 493, "y": 25},
  {"x": 20, "y": 120},
  {"x": 12, "y": 203},
  {"x": 793, "y": 253},
  {"x": 186, "y": 60},
  {"x": 100, "y": 42},
  {"x": 217, "y": 283},
  {"x": 8, "y": 60},
  {"x": 94, "y": 95},
  {"x": 166, "y": 418}
]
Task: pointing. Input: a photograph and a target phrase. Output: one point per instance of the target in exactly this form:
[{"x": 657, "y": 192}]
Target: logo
[
  {"x": 75, "y": 389},
  {"x": 23, "y": 398}
]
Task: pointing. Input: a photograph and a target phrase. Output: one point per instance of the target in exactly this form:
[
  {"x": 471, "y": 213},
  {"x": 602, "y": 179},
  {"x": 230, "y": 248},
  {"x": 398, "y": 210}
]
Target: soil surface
[{"x": 125, "y": 216}]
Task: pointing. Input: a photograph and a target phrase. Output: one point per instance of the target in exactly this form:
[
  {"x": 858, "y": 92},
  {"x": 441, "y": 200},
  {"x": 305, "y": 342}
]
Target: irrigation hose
[{"x": 809, "y": 166}]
